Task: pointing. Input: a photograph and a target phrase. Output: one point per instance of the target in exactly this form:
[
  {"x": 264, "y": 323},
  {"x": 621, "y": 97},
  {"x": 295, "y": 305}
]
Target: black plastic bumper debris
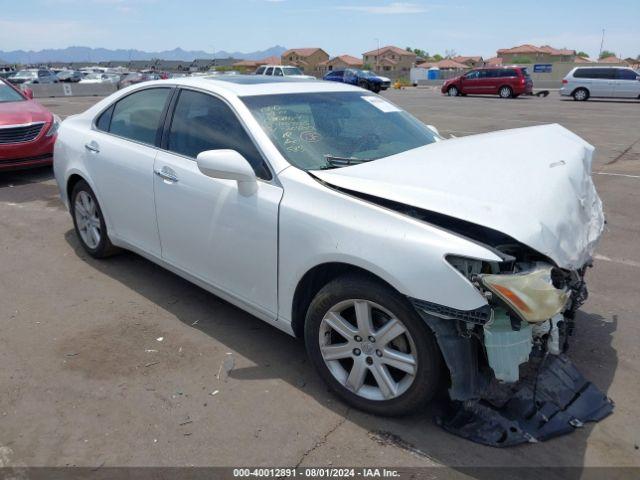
[{"x": 554, "y": 401}]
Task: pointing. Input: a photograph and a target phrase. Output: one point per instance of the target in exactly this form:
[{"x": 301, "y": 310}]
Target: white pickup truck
[{"x": 282, "y": 71}]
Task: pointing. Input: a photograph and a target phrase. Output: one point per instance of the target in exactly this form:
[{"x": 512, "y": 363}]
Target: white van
[{"x": 582, "y": 83}]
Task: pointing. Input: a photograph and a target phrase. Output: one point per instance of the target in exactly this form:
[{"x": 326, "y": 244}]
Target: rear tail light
[{"x": 564, "y": 81}]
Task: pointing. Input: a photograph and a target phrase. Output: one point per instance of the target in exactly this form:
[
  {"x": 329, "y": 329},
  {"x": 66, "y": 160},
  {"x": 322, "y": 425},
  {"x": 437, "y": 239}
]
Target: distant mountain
[{"x": 87, "y": 54}]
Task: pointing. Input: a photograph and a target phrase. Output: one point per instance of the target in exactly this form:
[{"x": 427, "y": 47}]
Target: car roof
[{"x": 251, "y": 85}]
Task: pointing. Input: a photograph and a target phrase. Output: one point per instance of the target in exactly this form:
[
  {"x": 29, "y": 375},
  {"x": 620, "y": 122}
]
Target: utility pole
[
  {"x": 601, "y": 44},
  {"x": 378, "y": 56}
]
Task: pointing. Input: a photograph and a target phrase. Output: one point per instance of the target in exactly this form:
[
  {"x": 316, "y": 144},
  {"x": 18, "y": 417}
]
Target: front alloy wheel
[
  {"x": 452, "y": 91},
  {"x": 372, "y": 354},
  {"x": 371, "y": 347}
]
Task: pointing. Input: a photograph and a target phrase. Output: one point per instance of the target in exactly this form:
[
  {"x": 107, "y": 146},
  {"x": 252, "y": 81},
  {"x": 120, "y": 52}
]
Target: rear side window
[
  {"x": 595, "y": 73},
  {"x": 202, "y": 122},
  {"x": 625, "y": 74},
  {"x": 104, "y": 120},
  {"x": 137, "y": 116},
  {"x": 269, "y": 71}
]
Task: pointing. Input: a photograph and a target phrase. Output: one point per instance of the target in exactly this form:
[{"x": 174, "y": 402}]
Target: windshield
[
  {"x": 8, "y": 94},
  {"x": 94, "y": 76},
  {"x": 292, "y": 71},
  {"x": 326, "y": 130}
]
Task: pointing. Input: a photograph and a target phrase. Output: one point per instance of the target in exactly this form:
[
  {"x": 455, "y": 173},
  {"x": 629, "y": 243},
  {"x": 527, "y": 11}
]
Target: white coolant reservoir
[{"x": 506, "y": 348}]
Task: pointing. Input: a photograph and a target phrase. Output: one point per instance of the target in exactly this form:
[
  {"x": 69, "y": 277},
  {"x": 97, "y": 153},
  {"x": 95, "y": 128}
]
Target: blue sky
[{"x": 345, "y": 26}]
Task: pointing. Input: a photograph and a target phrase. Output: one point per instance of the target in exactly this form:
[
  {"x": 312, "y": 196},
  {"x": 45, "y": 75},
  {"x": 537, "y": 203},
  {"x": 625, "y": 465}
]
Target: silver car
[{"x": 582, "y": 83}]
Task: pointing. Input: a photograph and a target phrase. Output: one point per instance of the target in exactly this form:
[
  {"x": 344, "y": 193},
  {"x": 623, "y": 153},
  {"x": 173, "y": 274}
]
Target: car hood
[
  {"x": 533, "y": 184},
  {"x": 27, "y": 111}
]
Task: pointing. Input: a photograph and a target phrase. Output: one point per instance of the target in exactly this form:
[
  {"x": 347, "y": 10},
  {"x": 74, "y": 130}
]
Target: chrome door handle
[
  {"x": 167, "y": 173},
  {"x": 92, "y": 147}
]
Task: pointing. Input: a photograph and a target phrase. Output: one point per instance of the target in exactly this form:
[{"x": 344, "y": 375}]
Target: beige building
[
  {"x": 307, "y": 59},
  {"x": 340, "y": 62},
  {"x": 390, "y": 60},
  {"x": 533, "y": 54}
]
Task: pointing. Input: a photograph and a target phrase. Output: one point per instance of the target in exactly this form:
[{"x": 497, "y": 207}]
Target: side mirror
[
  {"x": 229, "y": 165},
  {"x": 28, "y": 93}
]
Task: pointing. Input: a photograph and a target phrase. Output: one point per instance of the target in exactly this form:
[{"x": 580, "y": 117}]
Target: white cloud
[{"x": 393, "y": 8}]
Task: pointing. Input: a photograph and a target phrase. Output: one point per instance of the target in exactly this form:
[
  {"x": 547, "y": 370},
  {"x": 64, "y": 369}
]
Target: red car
[
  {"x": 27, "y": 130},
  {"x": 507, "y": 82}
]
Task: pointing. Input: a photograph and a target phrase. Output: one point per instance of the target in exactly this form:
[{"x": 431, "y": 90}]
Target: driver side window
[
  {"x": 202, "y": 122},
  {"x": 472, "y": 75}
]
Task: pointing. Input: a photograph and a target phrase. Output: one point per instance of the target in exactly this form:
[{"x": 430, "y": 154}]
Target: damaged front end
[{"x": 510, "y": 380}]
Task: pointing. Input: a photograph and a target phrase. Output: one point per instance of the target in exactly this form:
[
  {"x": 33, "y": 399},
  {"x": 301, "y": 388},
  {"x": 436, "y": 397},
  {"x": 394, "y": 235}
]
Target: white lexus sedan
[{"x": 332, "y": 214}]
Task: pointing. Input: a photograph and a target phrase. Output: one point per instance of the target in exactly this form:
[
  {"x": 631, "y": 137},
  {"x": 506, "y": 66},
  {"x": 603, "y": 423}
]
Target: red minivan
[{"x": 507, "y": 82}]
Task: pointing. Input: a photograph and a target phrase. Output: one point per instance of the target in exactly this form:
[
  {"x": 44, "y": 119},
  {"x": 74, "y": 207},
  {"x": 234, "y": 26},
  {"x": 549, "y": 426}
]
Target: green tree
[
  {"x": 418, "y": 51},
  {"x": 437, "y": 57},
  {"x": 582, "y": 54},
  {"x": 606, "y": 53}
]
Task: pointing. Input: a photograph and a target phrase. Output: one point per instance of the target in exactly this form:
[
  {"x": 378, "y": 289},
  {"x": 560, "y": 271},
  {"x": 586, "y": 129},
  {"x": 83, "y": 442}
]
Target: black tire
[
  {"x": 453, "y": 91},
  {"x": 580, "y": 94},
  {"x": 426, "y": 382},
  {"x": 505, "y": 92},
  {"x": 364, "y": 84},
  {"x": 104, "y": 248}
]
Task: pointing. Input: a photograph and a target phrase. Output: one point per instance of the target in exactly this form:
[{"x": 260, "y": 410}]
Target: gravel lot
[{"x": 87, "y": 381}]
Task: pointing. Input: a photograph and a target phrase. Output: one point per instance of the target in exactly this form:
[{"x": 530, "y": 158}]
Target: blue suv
[{"x": 362, "y": 78}]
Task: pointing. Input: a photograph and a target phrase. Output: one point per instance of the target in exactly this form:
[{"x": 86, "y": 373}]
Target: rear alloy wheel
[
  {"x": 453, "y": 91},
  {"x": 581, "y": 95},
  {"x": 505, "y": 92},
  {"x": 371, "y": 347},
  {"x": 89, "y": 222}
]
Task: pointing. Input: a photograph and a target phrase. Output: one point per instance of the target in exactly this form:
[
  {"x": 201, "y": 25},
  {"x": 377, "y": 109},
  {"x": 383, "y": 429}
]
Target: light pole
[{"x": 601, "y": 44}]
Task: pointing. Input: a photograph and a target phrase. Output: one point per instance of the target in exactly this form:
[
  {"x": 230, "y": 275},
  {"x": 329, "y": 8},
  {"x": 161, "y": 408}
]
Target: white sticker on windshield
[{"x": 381, "y": 104}]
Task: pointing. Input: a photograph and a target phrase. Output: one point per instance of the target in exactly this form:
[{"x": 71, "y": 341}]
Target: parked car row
[{"x": 581, "y": 83}]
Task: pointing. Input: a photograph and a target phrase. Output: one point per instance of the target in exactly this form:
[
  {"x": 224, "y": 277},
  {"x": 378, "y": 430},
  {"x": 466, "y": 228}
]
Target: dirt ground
[{"x": 121, "y": 363}]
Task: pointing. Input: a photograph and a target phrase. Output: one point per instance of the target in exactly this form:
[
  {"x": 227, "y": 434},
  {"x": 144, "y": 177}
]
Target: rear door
[
  {"x": 601, "y": 81},
  {"x": 488, "y": 81},
  {"x": 627, "y": 84},
  {"x": 119, "y": 154}
]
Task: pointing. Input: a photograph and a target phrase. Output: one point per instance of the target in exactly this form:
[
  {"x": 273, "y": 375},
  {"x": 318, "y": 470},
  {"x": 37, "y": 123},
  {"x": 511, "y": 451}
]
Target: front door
[
  {"x": 207, "y": 228},
  {"x": 470, "y": 82}
]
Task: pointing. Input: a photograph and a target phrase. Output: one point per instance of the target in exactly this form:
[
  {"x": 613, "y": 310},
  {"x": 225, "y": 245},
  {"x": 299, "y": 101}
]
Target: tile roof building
[
  {"x": 340, "y": 62},
  {"x": 306, "y": 59},
  {"x": 533, "y": 54},
  {"x": 389, "y": 59}
]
